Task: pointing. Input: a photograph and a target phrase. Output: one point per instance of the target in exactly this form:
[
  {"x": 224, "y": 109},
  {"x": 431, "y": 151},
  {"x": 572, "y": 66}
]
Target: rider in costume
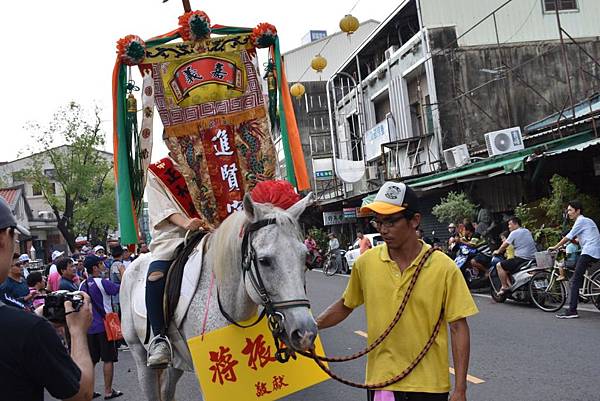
[{"x": 170, "y": 219}]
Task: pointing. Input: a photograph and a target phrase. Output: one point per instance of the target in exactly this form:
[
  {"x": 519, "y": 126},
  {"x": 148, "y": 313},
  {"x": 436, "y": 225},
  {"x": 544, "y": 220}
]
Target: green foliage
[
  {"x": 76, "y": 180},
  {"x": 544, "y": 217},
  {"x": 320, "y": 237},
  {"x": 454, "y": 208}
]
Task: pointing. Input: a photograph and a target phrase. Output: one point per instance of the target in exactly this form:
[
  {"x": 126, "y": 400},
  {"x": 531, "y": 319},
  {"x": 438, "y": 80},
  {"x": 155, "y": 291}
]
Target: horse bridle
[{"x": 271, "y": 308}]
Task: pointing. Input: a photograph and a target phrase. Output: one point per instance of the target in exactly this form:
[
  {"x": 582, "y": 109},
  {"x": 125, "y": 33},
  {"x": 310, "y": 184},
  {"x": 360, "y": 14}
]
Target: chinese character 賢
[
  {"x": 261, "y": 389},
  {"x": 278, "y": 382},
  {"x": 228, "y": 173},
  {"x": 191, "y": 74},
  {"x": 223, "y": 364},
  {"x": 235, "y": 205},
  {"x": 222, "y": 148},
  {"x": 257, "y": 351},
  {"x": 218, "y": 72}
]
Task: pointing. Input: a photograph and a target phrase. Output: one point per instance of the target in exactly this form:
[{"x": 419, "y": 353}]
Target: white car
[{"x": 354, "y": 251}]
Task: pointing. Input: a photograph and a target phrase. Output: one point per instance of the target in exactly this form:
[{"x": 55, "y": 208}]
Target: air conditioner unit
[
  {"x": 46, "y": 215},
  {"x": 504, "y": 141},
  {"x": 390, "y": 51},
  {"x": 457, "y": 156},
  {"x": 372, "y": 173}
]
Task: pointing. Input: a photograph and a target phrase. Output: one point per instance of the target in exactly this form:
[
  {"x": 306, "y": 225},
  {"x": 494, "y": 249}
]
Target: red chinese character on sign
[
  {"x": 223, "y": 365},
  {"x": 257, "y": 351},
  {"x": 278, "y": 382},
  {"x": 261, "y": 389}
]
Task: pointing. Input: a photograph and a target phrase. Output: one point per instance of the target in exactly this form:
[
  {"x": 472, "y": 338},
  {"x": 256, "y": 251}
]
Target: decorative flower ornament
[
  {"x": 195, "y": 25},
  {"x": 131, "y": 49},
  {"x": 263, "y": 35}
]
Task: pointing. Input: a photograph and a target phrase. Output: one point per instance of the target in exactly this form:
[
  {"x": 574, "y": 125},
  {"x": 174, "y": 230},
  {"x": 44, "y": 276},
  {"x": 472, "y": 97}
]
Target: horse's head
[{"x": 280, "y": 258}]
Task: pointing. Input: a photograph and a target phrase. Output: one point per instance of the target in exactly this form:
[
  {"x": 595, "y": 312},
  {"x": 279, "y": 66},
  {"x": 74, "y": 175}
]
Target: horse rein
[
  {"x": 320, "y": 359},
  {"x": 271, "y": 308}
]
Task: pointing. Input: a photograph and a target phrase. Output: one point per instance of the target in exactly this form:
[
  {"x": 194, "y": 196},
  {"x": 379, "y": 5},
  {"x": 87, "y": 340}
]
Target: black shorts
[
  {"x": 409, "y": 396},
  {"x": 512, "y": 265},
  {"x": 102, "y": 349}
]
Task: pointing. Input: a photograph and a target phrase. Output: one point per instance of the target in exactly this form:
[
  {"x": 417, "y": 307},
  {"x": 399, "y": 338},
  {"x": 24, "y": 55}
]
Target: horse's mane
[{"x": 226, "y": 242}]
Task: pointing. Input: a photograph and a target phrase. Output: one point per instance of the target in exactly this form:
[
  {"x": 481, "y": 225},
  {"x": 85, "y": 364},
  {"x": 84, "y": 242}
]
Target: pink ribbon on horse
[{"x": 383, "y": 395}]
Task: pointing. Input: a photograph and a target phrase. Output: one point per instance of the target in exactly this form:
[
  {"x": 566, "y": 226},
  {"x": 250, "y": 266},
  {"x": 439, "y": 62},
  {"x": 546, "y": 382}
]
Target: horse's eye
[{"x": 265, "y": 261}]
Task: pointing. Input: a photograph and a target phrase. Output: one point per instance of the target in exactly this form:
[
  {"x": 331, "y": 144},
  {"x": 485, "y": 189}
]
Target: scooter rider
[{"x": 522, "y": 240}]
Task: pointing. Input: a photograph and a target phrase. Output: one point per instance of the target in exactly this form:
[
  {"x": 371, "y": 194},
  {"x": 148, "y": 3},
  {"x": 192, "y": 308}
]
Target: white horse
[{"x": 281, "y": 257}]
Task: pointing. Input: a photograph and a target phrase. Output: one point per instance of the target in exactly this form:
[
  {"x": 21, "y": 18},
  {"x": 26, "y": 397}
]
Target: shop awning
[
  {"x": 579, "y": 147},
  {"x": 502, "y": 164}
]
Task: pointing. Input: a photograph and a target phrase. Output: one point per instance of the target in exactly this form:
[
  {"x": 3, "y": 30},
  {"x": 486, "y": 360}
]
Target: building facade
[{"x": 45, "y": 236}]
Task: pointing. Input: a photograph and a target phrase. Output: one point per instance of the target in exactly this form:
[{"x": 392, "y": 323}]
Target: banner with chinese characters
[
  {"x": 209, "y": 97},
  {"x": 239, "y": 364}
]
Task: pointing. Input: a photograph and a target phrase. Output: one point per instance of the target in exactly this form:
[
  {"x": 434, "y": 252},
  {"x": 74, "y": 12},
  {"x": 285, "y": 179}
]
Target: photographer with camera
[{"x": 33, "y": 358}]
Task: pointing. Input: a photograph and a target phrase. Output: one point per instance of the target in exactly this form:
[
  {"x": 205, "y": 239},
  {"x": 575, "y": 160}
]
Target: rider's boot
[{"x": 160, "y": 353}]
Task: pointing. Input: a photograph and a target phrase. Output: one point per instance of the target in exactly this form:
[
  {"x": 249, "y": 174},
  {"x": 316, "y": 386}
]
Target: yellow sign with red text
[{"x": 239, "y": 364}]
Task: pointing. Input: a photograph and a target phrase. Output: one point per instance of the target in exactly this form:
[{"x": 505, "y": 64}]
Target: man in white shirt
[{"x": 586, "y": 232}]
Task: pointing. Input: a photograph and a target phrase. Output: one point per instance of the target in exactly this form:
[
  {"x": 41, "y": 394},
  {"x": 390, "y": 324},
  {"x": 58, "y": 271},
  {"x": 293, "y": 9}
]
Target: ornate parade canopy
[{"x": 217, "y": 119}]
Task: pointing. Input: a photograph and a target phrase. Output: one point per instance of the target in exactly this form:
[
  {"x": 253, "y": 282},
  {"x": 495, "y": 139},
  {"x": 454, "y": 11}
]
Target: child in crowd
[{"x": 36, "y": 284}]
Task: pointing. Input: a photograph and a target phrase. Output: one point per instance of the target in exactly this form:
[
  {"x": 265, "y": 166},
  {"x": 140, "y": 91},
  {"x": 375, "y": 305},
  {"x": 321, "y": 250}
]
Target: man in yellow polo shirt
[{"x": 380, "y": 278}]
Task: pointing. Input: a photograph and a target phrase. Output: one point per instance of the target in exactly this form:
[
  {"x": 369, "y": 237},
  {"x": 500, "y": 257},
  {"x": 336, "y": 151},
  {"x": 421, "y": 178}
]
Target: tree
[
  {"x": 83, "y": 199},
  {"x": 454, "y": 208}
]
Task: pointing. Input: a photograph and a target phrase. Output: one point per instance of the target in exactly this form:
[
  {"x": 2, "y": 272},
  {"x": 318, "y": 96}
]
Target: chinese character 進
[
  {"x": 257, "y": 351},
  {"x": 218, "y": 72},
  {"x": 191, "y": 74},
  {"x": 223, "y": 365},
  {"x": 235, "y": 205},
  {"x": 222, "y": 148},
  {"x": 278, "y": 382},
  {"x": 228, "y": 173},
  {"x": 261, "y": 389}
]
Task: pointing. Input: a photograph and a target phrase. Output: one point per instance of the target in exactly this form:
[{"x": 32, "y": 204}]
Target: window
[
  {"x": 563, "y": 5},
  {"x": 36, "y": 190},
  {"x": 320, "y": 144},
  {"x": 382, "y": 107}
]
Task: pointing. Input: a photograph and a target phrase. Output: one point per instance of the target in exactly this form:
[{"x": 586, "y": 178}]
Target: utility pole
[
  {"x": 564, "y": 56},
  {"x": 505, "y": 86}
]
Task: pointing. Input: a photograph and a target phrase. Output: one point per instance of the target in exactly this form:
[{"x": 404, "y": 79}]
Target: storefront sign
[
  {"x": 323, "y": 169},
  {"x": 233, "y": 363},
  {"x": 332, "y": 218},
  {"x": 349, "y": 212},
  {"x": 374, "y": 138},
  {"x": 360, "y": 214}
]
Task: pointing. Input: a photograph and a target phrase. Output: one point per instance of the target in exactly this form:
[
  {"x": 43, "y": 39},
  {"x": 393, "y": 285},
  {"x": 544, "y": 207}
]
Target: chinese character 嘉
[
  {"x": 191, "y": 74},
  {"x": 218, "y": 72},
  {"x": 222, "y": 148},
  {"x": 228, "y": 173},
  {"x": 235, "y": 205},
  {"x": 261, "y": 389},
  {"x": 223, "y": 364},
  {"x": 257, "y": 351}
]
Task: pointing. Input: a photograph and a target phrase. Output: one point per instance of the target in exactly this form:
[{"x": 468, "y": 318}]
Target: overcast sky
[{"x": 63, "y": 50}]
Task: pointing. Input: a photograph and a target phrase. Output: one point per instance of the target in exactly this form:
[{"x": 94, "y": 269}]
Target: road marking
[
  {"x": 472, "y": 379},
  {"x": 580, "y": 307}
]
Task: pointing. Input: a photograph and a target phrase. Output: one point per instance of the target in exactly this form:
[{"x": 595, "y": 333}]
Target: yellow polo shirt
[{"x": 377, "y": 282}]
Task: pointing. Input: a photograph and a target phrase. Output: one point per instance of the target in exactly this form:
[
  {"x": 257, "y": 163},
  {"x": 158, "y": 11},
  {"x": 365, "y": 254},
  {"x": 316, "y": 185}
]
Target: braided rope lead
[
  {"x": 394, "y": 379},
  {"x": 320, "y": 359},
  {"x": 379, "y": 340}
]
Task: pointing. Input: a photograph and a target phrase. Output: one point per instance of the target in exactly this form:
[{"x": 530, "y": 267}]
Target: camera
[{"x": 54, "y": 306}]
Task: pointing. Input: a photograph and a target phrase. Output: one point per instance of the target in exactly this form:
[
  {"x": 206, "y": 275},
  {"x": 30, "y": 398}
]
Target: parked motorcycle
[
  {"x": 314, "y": 260},
  {"x": 520, "y": 289},
  {"x": 463, "y": 261}
]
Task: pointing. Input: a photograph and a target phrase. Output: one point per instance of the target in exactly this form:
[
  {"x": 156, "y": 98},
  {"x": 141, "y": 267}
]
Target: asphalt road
[{"x": 517, "y": 353}]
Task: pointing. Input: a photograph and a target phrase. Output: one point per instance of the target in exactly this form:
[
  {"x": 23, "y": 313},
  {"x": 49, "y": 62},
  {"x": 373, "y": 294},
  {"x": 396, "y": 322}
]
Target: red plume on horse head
[{"x": 279, "y": 193}]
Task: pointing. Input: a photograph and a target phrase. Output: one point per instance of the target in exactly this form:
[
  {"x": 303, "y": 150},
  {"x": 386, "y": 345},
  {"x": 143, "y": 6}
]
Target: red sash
[{"x": 174, "y": 182}]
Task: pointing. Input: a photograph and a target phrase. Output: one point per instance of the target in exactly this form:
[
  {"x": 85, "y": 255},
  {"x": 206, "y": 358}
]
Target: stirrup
[{"x": 165, "y": 339}]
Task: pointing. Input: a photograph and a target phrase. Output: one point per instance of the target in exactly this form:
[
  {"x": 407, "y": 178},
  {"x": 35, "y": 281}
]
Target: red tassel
[{"x": 279, "y": 193}]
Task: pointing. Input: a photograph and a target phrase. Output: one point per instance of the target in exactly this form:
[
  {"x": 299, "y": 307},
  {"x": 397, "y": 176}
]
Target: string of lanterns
[{"x": 349, "y": 24}]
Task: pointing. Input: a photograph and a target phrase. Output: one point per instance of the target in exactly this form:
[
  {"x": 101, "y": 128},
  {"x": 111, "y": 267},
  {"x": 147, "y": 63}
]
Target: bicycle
[
  {"x": 331, "y": 267},
  {"x": 549, "y": 294}
]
